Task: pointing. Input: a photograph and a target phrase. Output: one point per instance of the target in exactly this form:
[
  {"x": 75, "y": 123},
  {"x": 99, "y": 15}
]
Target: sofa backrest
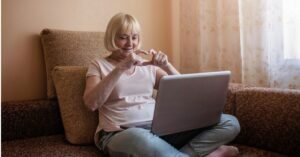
[{"x": 25, "y": 119}]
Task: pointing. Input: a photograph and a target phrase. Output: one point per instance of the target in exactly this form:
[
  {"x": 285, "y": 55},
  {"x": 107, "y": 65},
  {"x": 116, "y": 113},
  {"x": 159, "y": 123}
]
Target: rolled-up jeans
[{"x": 140, "y": 142}]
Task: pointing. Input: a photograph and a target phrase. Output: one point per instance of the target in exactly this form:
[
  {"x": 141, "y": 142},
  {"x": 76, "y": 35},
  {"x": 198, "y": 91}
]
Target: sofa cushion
[
  {"x": 79, "y": 123},
  {"x": 269, "y": 119},
  {"x": 47, "y": 146},
  {"x": 69, "y": 48},
  {"x": 247, "y": 151}
]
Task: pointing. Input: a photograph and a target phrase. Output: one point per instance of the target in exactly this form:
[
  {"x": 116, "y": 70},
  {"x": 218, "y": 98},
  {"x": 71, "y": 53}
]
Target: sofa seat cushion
[
  {"x": 47, "y": 146},
  {"x": 247, "y": 151},
  {"x": 56, "y": 145}
]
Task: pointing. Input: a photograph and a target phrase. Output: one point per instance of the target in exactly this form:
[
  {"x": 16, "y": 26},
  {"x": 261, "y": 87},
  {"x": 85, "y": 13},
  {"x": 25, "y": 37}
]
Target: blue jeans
[{"x": 139, "y": 142}]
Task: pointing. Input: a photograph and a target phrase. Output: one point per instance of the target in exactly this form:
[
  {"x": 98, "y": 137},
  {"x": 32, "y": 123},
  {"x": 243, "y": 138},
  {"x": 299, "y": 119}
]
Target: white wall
[{"x": 23, "y": 69}]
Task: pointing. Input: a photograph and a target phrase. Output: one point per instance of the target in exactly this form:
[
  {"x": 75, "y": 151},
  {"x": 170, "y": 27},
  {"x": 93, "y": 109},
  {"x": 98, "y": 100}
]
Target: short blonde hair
[{"x": 120, "y": 23}]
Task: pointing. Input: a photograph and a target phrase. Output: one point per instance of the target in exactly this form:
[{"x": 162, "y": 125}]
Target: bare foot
[{"x": 224, "y": 151}]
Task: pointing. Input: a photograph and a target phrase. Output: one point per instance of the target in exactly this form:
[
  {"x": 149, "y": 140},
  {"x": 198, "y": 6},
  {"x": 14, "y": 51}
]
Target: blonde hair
[{"x": 120, "y": 23}]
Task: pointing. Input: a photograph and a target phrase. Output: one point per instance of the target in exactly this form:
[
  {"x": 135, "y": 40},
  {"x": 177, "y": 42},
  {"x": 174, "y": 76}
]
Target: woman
[{"x": 120, "y": 87}]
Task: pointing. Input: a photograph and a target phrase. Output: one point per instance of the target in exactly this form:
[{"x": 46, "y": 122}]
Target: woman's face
[{"x": 127, "y": 42}]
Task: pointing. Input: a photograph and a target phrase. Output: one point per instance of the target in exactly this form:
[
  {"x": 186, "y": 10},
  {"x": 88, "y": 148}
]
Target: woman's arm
[
  {"x": 162, "y": 71},
  {"x": 97, "y": 91},
  {"x": 166, "y": 68},
  {"x": 170, "y": 69}
]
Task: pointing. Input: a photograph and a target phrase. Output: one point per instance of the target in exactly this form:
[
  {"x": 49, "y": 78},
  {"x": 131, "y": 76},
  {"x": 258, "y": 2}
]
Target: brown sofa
[{"x": 269, "y": 120}]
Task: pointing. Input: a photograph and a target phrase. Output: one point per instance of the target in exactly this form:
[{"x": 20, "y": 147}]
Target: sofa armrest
[
  {"x": 233, "y": 89},
  {"x": 269, "y": 119},
  {"x": 24, "y": 119}
]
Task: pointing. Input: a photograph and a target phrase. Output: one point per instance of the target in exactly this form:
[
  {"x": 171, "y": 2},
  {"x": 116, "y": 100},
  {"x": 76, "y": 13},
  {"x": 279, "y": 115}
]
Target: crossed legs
[{"x": 137, "y": 142}]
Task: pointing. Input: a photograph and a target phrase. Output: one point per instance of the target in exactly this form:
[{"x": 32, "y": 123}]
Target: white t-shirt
[{"x": 130, "y": 101}]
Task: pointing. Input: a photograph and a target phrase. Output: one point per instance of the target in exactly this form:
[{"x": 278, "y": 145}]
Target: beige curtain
[{"x": 245, "y": 37}]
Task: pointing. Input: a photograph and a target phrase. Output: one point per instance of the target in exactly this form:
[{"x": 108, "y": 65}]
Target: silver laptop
[{"x": 188, "y": 101}]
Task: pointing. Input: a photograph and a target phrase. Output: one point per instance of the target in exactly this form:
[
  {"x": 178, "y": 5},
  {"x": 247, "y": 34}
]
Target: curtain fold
[
  {"x": 243, "y": 36},
  {"x": 209, "y": 37}
]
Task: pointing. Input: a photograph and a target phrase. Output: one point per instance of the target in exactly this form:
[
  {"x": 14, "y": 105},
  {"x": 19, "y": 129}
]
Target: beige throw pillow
[
  {"x": 69, "y": 48},
  {"x": 79, "y": 123}
]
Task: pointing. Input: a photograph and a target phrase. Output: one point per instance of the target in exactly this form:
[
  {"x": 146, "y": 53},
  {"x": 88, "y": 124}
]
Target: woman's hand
[
  {"x": 131, "y": 60},
  {"x": 158, "y": 58}
]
